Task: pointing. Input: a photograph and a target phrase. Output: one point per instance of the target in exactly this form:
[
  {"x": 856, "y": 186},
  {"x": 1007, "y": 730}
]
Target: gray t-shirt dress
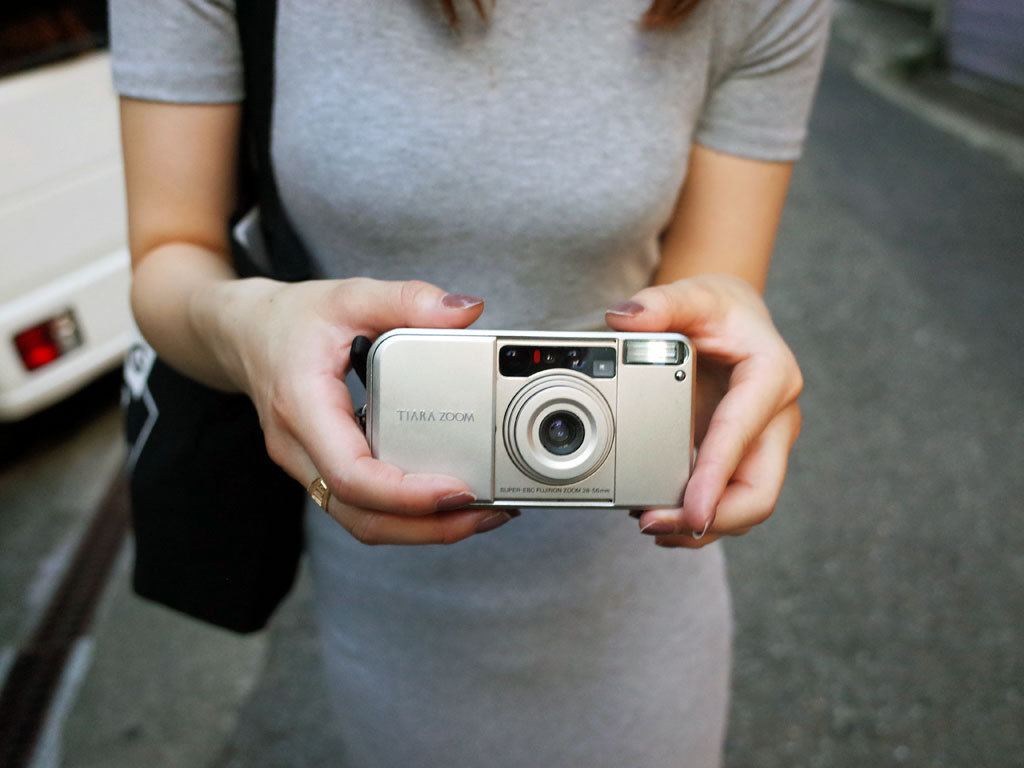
[{"x": 531, "y": 160}]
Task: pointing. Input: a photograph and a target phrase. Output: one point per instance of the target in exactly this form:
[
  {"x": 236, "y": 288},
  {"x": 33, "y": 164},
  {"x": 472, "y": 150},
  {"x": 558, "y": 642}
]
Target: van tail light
[{"x": 46, "y": 341}]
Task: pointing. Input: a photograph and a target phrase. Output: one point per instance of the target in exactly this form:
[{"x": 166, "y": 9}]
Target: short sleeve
[
  {"x": 184, "y": 51},
  {"x": 760, "y": 99}
]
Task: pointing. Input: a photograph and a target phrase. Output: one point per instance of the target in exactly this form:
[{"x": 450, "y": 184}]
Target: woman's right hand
[{"x": 287, "y": 346}]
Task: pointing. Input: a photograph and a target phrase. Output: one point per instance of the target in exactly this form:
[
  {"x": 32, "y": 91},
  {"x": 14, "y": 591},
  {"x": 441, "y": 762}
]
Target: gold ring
[{"x": 319, "y": 491}]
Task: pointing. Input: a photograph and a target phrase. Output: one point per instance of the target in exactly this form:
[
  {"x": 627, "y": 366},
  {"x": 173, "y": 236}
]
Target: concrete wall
[{"x": 986, "y": 37}]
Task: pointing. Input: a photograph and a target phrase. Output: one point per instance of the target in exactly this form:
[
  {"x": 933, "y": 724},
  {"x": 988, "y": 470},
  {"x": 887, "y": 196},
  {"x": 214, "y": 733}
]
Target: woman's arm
[
  {"x": 725, "y": 219},
  {"x": 285, "y": 345},
  {"x": 715, "y": 257},
  {"x": 179, "y": 163}
]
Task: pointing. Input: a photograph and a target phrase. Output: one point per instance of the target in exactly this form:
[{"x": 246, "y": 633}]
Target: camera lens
[
  {"x": 558, "y": 429},
  {"x": 561, "y": 433}
]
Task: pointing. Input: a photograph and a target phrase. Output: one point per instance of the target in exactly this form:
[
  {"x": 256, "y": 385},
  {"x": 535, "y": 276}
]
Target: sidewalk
[
  {"x": 880, "y": 612},
  {"x": 893, "y": 52}
]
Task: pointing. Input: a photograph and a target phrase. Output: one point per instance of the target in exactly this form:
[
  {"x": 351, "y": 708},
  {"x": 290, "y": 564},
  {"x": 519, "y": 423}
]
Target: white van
[{"x": 64, "y": 265}]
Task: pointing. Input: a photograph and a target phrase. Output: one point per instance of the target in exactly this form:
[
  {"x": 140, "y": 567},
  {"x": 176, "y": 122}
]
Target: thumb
[{"x": 375, "y": 306}]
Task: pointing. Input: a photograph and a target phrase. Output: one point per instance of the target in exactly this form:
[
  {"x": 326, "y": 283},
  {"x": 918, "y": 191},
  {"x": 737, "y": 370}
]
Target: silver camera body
[{"x": 536, "y": 418}]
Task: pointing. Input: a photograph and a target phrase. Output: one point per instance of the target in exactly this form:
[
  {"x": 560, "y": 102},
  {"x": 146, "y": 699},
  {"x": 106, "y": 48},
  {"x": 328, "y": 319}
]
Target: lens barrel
[{"x": 558, "y": 429}]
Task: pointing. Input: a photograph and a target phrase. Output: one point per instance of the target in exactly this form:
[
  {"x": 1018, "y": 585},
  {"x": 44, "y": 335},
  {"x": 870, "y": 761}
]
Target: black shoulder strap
[{"x": 289, "y": 259}]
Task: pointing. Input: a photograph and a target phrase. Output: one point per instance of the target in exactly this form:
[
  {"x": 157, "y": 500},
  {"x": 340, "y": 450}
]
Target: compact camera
[{"x": 535, "y": 418}]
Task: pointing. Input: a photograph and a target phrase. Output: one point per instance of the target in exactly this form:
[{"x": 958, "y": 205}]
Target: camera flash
[{"x": 651, "y": 352}]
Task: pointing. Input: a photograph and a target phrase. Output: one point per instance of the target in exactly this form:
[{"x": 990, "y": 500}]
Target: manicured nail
[
  {"x": 626, "y": 309},
  {"x": 659, "y": 528},
  {"x": 460, "y": 301},
  {"x": 702, "y": 534},
  {"x": 494, "y": 520},
  {"x": 455, "y": 501}
]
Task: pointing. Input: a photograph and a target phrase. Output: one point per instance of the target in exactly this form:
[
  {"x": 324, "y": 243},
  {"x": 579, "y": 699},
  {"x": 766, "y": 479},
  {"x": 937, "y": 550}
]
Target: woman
[{"x": 572, "y": 167}]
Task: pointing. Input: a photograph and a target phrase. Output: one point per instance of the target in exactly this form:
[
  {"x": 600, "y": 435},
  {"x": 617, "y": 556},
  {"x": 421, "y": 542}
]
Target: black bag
[{"x": 218, "y": 526}]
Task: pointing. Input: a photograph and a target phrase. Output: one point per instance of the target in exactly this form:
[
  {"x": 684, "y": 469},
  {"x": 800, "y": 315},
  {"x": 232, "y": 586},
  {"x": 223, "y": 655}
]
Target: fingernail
[
  {"x": 460, "y": 301},
  {"x": 455, "y": 501},
  {"x": 625, "y": 308},
  {"x": 659, "y": 528},
  {"x": 702, "y": 534},
  {"x": 494, "y": 520}
]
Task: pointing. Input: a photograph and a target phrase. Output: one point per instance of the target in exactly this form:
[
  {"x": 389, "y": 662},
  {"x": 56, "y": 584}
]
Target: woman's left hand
[{"x": 747, "y": 417}]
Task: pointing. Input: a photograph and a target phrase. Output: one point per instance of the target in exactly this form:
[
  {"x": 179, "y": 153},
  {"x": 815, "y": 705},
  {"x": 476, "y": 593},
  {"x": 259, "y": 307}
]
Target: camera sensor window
[{"x": 517, "y": 360}]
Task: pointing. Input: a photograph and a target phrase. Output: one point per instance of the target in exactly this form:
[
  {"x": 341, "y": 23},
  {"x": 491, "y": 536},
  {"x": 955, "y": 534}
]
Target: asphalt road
[{"x": 880, "y": 612}]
